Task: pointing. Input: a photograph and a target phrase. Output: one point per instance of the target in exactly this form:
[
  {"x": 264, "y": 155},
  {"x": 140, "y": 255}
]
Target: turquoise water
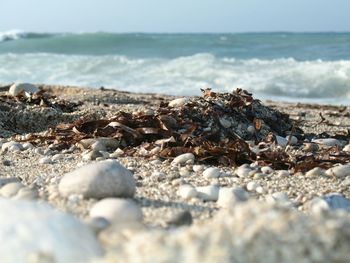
[{"x": 288, "y": 66}]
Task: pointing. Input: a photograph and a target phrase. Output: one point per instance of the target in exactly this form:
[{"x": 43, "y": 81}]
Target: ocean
[{"x": 305, "y": 67}]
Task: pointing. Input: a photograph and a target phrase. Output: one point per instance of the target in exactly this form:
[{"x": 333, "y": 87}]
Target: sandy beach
[{"x": 285, "y": 200}]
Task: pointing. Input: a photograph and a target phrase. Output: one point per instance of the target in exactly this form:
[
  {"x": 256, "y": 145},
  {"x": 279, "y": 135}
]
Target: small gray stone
[
  {"x": 99, "y": 180},
  {"x": 183, "y": 158},
  {"x": 330, "y": 142}
]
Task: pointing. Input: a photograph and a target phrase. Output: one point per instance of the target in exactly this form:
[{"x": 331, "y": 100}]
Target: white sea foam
[
  {"x": 184, "y": 75},
  {"x": 12, "y": 35}
]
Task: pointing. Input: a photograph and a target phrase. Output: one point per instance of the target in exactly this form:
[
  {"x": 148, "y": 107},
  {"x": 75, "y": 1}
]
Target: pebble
[
  {"x": 225, "y": 122},
  {"x": 11, "y": 146},
  {"x": 15, "y": 89},
  {"x": 184, "y": 218},
  {"x": 183, "y": 158},
  {"x": 187, "y": 191},
  {"x": 211, "y": 172},
  {"x": 339, "y": 171},
  {"x": 282, "y": 173},
  {"x": 91, "y": 155},
  {"x": 346, "y": 148},
  {"x": 99, "y": 180},
  {"x": 281, "y": 141},
  {"x": 266, "y": 170},
  {"x": 315, "y": 172},
  {"x": 39, "y": 233},
  {"x": 252, "y": 186},
  {"x": 117, "y": 211},
  {"x": 10, "y": 189},
  {"x": 58, "y": 157},
  {"x": 337, "y": 201},
  {"x": 208, "y": 193},
  {"x": 228, "y": 197},
  {"x": 198, "y": 168},
  {"x": 178, "y": 102},
  {"x": 328, "y": 142},
  {"x": 27, "y": 145},
  {"x": 293, "y": 140},
  {"x": 346, "y": 181},
  {"x": 45, "y": 160},
  {"x": 242, "y": 171},
  {"x": 183, "y": 171}
]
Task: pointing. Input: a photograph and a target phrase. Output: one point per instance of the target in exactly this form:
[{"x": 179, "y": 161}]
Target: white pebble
[
  {"x": 183, "y": 158},
  {"x": 228, "y": 197},
  {"x": 27, "y": 145},
  {"x": 211, "y": 172},
  {"x": 339, "y": 171},
  {"x": 117, "y": 211},
  {"x": 208, "y": 193},
  {"x": 58, "y": 157},
  {"x": 252, "y": 186},
  {"x": 11, "y": 146},
  {"x": 282, "y": 173},
  {"x": 45, "y": 160},
  {"x": 317, "y": 171},
  {"x": 198, "y": 168},
  {"x": 346, "y": 148},
  {"x": 187, "y": 191},
  {"x": 15, "y": 89},
  {"x": 328, "y": 142},
  {"x": 242, "y": 171},
  {"x": 266, "y": 170},
  {"x": 178, "y": 102}
]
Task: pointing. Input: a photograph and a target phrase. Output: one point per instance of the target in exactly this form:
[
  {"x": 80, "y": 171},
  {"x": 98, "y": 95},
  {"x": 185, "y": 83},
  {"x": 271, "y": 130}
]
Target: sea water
[{"x": 308, "y": 67}]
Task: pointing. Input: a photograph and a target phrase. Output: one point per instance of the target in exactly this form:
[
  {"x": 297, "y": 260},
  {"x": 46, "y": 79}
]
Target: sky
[{"x": 174, "y": 16}]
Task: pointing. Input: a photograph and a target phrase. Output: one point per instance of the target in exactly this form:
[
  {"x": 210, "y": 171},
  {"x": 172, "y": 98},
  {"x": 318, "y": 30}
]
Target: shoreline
[{"x": 165, "y": 191}]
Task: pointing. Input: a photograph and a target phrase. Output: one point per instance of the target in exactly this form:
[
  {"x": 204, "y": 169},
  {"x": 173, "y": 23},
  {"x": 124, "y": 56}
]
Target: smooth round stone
[
  {"x": 315, "y": 172},
  {"x": 282, "y": 173},
  {"x": 187, "y": 191},
  {"x": 98, "y": 146},
  {"x": 252, "y": 186},
  {"x": 183, "y": 158},
  {"x": 15, "y": 89},
  {"x": 208, "y": 193},
  {"x": 45, "y": 160},
  {"x": 337, "y": 201},
  {"x": 198, "y": 168},
  {"x": 11, "y": 146},
  {"x": 328, "y": 142},
  {"x": 266, "y": 170},
  {"x": 310, "y": 147},
  {"x": 242, "y": 171},
  {"x": 178, "y": 102},
  {"x": 10, "y": 189},
  {"x": 281, "y": 141},
  {"x": 183, "y": 171},
  {"x": 117, "y": 211},
  {"x": 27, "y": 145},
  {"x": 99, "y": 180},
  {"x": 339, "y": 171},
  {"x": 91, "y": 155},
  {"x": 251, "y": 129},
  {"x": 225, "y": 122},
  {"x": 228, "y": 197},
  {"x": 293, "y": 140},
  {"x": 346, "y": 148},
  {"x": 211, "y": 172},
  {"x": 260, "y": 190},
  {"x": 34, "y": 232}
]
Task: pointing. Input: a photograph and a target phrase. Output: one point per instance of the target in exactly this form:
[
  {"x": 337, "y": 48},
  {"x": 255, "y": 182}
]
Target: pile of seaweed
[{"x": 214, "y": 127}]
